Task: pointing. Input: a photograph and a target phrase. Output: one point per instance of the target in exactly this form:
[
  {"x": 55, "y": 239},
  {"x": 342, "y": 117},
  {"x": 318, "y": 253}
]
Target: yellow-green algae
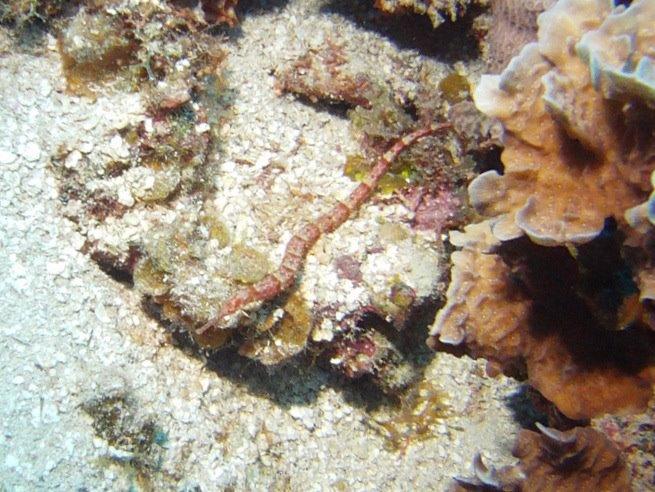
[{"x": 401, "y": 173}]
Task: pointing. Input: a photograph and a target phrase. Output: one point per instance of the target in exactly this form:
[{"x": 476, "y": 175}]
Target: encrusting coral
[{"x": 550, "y": 282}]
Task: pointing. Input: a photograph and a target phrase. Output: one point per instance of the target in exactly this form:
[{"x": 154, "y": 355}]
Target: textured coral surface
[
  {"x": 580, "y": 459},
  {"x": 572, "y": 157},
  {"x": 513, "y": 24},
  {"x": 578, "y": 139}
]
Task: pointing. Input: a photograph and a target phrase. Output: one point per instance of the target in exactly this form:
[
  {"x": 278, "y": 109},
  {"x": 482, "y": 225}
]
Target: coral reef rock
[
  {"x": 193, "y": 195},
  {"x": 634, "y": 436},
  {"x": 320, "y": 75},
  {"x": 555, "y": 282}
]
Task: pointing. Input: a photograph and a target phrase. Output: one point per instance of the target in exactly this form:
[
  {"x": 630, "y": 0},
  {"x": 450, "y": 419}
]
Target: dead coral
[{"x": 371, "y": 354}]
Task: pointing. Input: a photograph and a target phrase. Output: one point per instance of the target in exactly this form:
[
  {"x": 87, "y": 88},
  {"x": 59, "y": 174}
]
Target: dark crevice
[{"x": 449, "y": 42}]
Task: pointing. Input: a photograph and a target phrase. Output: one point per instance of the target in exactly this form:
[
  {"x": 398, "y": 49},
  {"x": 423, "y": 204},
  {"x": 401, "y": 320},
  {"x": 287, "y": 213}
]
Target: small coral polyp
[{"x": 579, "y": 146}]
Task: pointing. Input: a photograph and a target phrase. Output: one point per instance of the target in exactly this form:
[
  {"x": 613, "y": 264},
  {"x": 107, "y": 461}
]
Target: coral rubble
[
  {"x": 135, "y": 442},
  {"x": 634, "y": 436},
  {"x": 551, "y": 279}
]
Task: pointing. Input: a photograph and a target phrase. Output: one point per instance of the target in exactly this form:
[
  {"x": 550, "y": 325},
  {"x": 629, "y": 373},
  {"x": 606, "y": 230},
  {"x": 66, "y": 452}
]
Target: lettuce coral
[
  {"x": 552, "y": 282},
  {"x": 570, "y": 158},
  {"x": 578, "y": 459}
]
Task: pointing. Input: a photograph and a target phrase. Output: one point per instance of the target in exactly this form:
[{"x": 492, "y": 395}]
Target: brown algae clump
[
  {"x": 282, "y": 334},
  {"x": 420, "y": 409},
  {"x": 145, "y": 45},
  {"x": 400, "y": 175},
  {"x": 93, "y": 46}
]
